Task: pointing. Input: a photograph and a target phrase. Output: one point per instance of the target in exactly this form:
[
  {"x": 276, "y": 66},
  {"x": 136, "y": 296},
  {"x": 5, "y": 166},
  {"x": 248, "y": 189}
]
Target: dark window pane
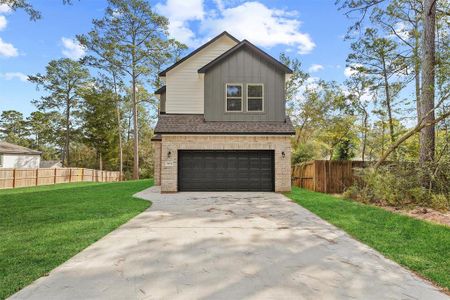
[
  {"x": 234, "y": 90},
  {"x": 234, "y": 104},
  {"x": 255, "y": 104},
  {"x": 255, "y": 90}
]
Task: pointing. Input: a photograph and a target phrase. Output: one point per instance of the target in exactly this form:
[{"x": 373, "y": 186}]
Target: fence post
[
  {"x": 54, "y": 177},
  {"x": 14, "y": 178},
  {"x": 37, "y": 176},
  {"x": 70, "y": 175},
  {"x": 82, "y": 175}
]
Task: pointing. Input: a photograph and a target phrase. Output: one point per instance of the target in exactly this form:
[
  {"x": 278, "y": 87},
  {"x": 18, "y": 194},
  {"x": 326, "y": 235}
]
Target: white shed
[{"x": 14, "y": 156}]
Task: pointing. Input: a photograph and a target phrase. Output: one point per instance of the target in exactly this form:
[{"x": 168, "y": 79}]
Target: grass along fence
[
  {"x": 14, "y": 178},
  {"x": 326, "y": 176}
]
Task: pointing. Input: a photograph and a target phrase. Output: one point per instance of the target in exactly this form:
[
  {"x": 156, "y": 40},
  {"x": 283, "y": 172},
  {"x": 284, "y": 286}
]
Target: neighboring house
[
  {"x": 222, "y": 124},
  {"x": 50, "y": 164},
  {"x": 14, "y": 156}
]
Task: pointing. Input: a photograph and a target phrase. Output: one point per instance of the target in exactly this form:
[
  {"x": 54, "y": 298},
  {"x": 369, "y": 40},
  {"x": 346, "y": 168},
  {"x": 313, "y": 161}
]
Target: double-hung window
[
  {"x": 233, "y": 97},
  {"x": 255, "y": 97}
]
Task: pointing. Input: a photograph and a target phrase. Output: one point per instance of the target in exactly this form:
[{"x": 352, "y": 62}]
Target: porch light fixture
[
  {"x": 283, "y": 154},
  {"x": 169, "y": 154}
]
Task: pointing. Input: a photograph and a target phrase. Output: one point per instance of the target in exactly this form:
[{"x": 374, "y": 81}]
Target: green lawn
[
  {"x": 42, "y": 227},
  {"x": 418, "y": 245}
]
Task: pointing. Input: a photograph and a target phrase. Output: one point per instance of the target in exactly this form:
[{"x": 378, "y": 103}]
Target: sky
[{"x": 311, "y": 30}]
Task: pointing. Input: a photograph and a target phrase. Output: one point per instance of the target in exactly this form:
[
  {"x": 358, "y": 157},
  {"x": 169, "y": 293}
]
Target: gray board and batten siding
[{"x": 245, "y": 67}]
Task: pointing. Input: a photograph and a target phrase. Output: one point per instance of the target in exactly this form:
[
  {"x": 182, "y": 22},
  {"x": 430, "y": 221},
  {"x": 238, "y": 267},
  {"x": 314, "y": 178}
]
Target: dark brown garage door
[{"x": 246, "y": 170}]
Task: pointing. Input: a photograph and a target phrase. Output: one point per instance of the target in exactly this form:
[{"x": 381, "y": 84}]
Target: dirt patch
[{"x": 424, "y": 213}]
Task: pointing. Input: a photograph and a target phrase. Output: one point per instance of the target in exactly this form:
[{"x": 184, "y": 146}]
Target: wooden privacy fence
[
  {"x": 326, "y": 176},
  {"x": 14, "y": 178}
]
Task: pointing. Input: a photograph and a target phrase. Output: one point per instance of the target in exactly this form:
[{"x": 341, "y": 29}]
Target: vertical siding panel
[{"x": 244, "y": 67}]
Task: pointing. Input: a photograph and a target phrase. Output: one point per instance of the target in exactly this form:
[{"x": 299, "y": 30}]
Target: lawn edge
[{"x": 442, "y": 289}]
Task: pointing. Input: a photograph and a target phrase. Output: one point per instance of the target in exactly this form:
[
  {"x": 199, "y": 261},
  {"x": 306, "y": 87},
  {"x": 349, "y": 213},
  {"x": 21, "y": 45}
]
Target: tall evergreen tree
[
  {"x": 63, "y": 81},
  {"x": 130, "y": 37}
]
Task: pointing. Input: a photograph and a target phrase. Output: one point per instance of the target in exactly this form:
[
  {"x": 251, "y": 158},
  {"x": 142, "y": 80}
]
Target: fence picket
[{"x": 13, "y": 178}]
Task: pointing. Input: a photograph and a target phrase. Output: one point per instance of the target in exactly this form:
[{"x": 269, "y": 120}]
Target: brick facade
[
  {"x": 166, "y": 168},
  {"x": 157, "y": 159}
]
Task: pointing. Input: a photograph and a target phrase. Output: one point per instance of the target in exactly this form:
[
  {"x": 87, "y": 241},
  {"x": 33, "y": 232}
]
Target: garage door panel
[{"x": 226, "y": 170}]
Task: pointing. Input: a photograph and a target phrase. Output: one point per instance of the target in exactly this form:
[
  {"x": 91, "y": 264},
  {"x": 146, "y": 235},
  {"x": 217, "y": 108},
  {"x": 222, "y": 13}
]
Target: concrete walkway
[{"x": 228, "y": 246}]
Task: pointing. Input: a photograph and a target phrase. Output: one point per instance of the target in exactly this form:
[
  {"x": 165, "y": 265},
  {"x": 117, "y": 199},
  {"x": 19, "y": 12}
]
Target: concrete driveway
[{"x": 228, "y": 246}]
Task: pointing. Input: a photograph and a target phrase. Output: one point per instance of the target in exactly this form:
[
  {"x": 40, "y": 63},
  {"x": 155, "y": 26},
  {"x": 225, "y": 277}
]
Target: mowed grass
[
  {"x": 418, "y": 245},
  {"x": 42, "y": 227}
]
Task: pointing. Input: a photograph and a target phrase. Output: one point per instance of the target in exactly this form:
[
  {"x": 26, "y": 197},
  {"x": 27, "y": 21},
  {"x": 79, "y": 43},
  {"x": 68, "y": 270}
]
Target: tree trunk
[
  {"x": 119, "y": 127},
  {"x": 100, "y": 161},
  {"x": 427, "y": 134},
  {"x": 67, "y": 142},
  {"x": 363, "y": 151},
  {"x": 417, "y": 69},
  {"x": 136, "y": 131},
  {"x": 388, "y": 103}
]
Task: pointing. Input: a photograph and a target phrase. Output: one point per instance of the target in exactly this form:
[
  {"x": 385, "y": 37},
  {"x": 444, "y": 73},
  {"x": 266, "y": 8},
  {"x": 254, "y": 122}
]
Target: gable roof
[
  {"x": 8, "y": 148},
  {"x": 163, "y": 73},
  {"x": 251, "y": 47}
]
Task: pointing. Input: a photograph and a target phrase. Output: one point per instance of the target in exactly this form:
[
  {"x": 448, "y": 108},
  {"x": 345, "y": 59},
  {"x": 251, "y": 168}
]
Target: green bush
[{"x": 402, "y": 185}]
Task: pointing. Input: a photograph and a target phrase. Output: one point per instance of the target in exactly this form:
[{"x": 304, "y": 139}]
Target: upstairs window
[
  {"x": 255, "y": 97},
  {"x": 234, "y": 97}
]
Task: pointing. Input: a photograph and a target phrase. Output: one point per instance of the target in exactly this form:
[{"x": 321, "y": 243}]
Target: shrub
[{"x": 401, "y": 185}]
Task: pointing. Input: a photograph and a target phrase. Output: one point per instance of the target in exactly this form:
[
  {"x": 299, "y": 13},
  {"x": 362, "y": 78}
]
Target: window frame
[
  {"x": 226, "y": 98},
  {"x": 1, "y": 160},
  {"x": 262, "y": 97}
]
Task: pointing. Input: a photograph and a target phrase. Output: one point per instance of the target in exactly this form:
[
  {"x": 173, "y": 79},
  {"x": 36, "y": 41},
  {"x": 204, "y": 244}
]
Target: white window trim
[
  {"x": 242, "y": 97},
  {"x": 262, "y": 97}
]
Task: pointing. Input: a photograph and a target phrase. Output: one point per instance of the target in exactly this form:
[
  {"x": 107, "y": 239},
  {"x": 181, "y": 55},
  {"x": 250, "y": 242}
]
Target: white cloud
[
  {"x": 72, "y": 49},
  {"x": 7, "y": 49},
  {"x": 261, "y": 25},
  {"x": 315, "y": 68},
  {"x": 180, "y": 13},
  {"x": 4, "y": 9},
  {"x": 3, "y": 22},
  {"x": 14, "y": 75},
  {"x": 351, "y": 70},
  {"x": 249, "y": 20},
  {"x": 402, "y": 31}
]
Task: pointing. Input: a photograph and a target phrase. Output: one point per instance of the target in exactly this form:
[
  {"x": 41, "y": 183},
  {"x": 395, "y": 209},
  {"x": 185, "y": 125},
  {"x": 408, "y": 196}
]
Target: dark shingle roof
[
  {"x": 160, "y": 91},
  {"x": 196, "y": 124},
  {"x": 156, "y": 137},
  {"x": 7, "y": 148}
]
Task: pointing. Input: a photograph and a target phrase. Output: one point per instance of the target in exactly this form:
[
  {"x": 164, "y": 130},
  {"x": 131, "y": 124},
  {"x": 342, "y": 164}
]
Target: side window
[
  {"x": 255, "y": 97},
  {"x": 233, "y": 93},
  {"x": 1, "y": 160}
]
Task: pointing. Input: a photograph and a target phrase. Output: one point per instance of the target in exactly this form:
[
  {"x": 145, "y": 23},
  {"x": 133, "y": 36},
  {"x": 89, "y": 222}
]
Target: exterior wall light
[
  {"x": 169, "y": 154},
  {"x": 283, "y": 154}
]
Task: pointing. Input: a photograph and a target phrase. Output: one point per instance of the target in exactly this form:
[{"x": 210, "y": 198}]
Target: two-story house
[{"x": 222, "y": 124}]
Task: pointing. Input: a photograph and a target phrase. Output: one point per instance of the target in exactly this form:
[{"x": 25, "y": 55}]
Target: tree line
[
  {"x": 394, "y": 108},
  {"x": 99, "y": 110}
]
